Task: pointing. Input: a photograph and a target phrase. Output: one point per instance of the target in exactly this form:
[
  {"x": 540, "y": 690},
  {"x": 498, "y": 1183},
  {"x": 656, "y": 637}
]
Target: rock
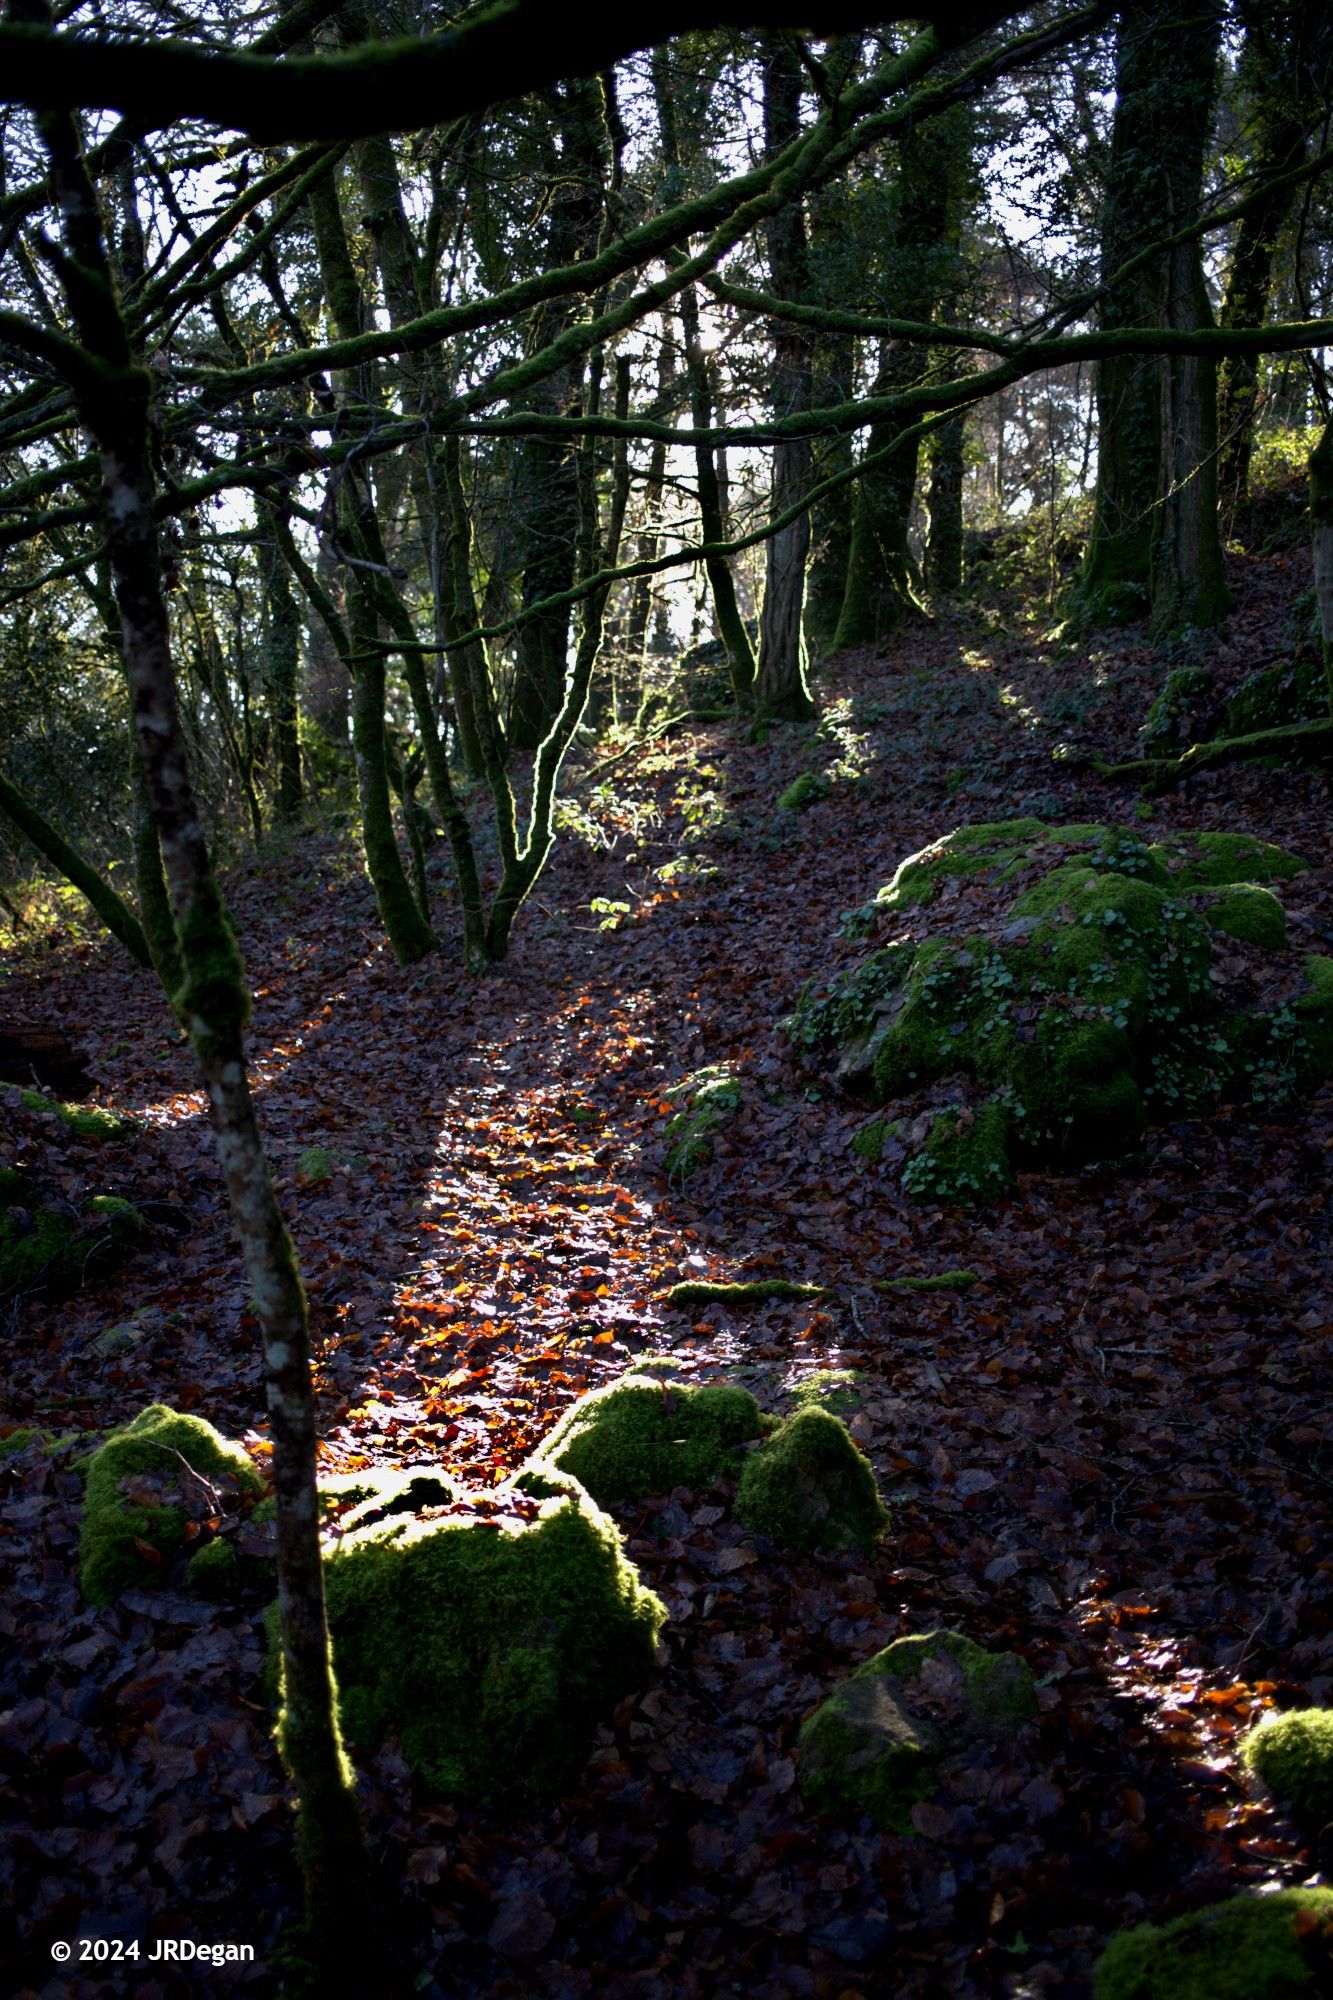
[
  {"x": 1266, "y": 1947},
  {"x": 808, "y": 1487},
  {"x": 128, "y": 1334},
  {"x": 709, "y": 1100},
  {"x": 641, "y": 1436},
  {"x": 492, "y": 1640},
  {"x": 875, "y": 1745}
]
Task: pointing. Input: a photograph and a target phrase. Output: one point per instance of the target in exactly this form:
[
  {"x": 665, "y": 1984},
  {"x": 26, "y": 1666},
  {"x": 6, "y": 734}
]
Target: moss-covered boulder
[
  {"x": 1175, "y": 716},
  {"x": 1293, "y": 1754},
  {"x": 1044, "y": 992},
  {"x": 145, "y": 1484},
  {"x": 807, "y": 790},
  {"x": 708, "y": 1100},
  {"x": 808, "y": 1487},
  {"x": 641, "y": 1436},
  {"x": 491, "y": 1639},
  {"x": 57, "y": 1246},
  {"x": 1273, "y": 1947},
  {"x": 876, "y": 1744},
  {"x": 83, "y": 1121},
  {"x": 1291, "y": 691}
]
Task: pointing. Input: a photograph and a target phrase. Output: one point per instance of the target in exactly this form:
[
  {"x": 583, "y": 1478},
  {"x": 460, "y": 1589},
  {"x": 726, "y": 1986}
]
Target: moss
[
  {"x": 1171, "y": 720},
  {"x": 1084, "y": 1009},
  {"x": 18, "y": 1441},
  {"x": 1293, "y": 1754},
  {"x": 869, "y": 1142},
  {"x": 490, "y": 1647},
  {"x": 834, "y": 1389},
  {"x": 711, "y": 1100},
  {"x": 937, "y": 1281},
  {"x": 212, "y": 1569},
  {"x": 1276, "y": 696},
  {"x": 965, "y": 1158},
  {"x": 1314, "y": 1014},
  {"x": 1266, "y": 1947},
  {"x": 316, "y": 1164},
  {"x": 116, "y": 1524},
  {"x": 808, "y": 1487},
  {"x": 871, "y": 1749},
  {"x": 1250, "y": 914},
  {"x": 639, "y": 1436},
  {"x": 755, "y": 1292},
  {"x": 57, "y": 1250},
  {"x": 85, "y": 1121},
  {"x": 807, "y": 790}
]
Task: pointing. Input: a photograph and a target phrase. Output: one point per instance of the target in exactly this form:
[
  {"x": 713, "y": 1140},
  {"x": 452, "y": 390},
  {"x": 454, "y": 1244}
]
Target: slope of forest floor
[{"x": 1114, "y": 1454}]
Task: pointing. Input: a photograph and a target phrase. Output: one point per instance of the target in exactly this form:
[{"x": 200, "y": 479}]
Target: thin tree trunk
[
  {"x": 115, "y": 913},
  {"x": 944, "y": 511},
  {"x": 1321, "y": 535},
  {"x": 114, "y": 398}
]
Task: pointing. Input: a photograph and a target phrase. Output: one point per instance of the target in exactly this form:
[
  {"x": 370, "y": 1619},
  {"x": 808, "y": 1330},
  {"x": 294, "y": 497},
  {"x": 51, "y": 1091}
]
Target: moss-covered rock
[
  {"x": 708, "y": 1100},
  {"x": 143, "y": 1484},
  {"x": 490, "y": 1643},
  {"x": 807, "y": 790},
  {"x": 1268, "y": 1947},
  {"x": 808, "y": 1487},
  {"x": 638, "y": 1436},
  {"x": 85, "y": 1121},
  {"x": 1174, "y": 718},
  {"x": 1080, "y": 1001},
  {"x": 57, "y": 1247},
  {"x": 1291, "y": 691},
  {"x": 875, "y": 1745},
  {"x": 1293, "y": 1754},
  {"x": 212, "y": 1569}
]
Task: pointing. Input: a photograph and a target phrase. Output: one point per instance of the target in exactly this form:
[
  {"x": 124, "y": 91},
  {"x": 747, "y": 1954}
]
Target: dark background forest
[{"x": 666, "y": 921}]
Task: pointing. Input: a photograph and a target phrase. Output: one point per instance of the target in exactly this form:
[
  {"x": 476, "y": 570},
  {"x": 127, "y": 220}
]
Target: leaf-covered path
[{"x": 1114, "y": 1454}]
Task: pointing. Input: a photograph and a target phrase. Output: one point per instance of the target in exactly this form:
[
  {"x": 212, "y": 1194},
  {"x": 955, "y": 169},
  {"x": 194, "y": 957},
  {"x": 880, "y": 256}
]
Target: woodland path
[{"x": 1115, "y": 1454}]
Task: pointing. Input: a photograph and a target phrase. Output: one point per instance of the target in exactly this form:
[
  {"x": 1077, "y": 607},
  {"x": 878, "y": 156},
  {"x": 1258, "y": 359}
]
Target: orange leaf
[{"x": 149, "y": 1553}]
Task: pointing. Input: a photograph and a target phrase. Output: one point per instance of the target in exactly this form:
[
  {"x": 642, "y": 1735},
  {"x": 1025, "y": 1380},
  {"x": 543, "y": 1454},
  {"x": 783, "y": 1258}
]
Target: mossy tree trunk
[
  {"x": 944, "y": 511},
  {"x": 282, "y": 672},
  {"x": 1155, "y": 541},
  {"x": 781, "y": 690},
  {"x": 1321, "y": 535},
  {"x": 834, "y": 364},
  {"x": 919, "y": 268},
  {"x": 114, "y": 912},
  {"x": 114, "y": 398}
]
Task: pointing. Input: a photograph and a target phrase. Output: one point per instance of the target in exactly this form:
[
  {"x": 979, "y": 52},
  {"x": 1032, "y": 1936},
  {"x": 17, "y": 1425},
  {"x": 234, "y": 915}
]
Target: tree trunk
[
  {"x": 114, "y": 397},
  {"x": 1321, "y": 535},
  {"x": 1154, "y": 418},
  {"x": 116, "y": 914},
  {"x": 282, "y": 671},
  {"x": 831, "y": 517},
  {"x": 944, "y": 511},
  {"x": 780, "y": 684}
]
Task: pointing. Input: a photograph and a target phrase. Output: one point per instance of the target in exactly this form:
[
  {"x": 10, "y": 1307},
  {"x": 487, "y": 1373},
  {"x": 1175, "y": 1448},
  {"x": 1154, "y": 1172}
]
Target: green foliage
[
  {"x": 1293, "y": 1754},
  {"x": 869, "y": 1748},
  {"x": 490, "y": 1646},
  {"x": 1086, "y": 1006},
  {"x": 808, "y": 1487},
  {"x": 638, "y": 1437},
  {"x": 710, "y": 1099},
  {"x": 116, "y": 1522},
  {"x": 1269, "y": 1947}
]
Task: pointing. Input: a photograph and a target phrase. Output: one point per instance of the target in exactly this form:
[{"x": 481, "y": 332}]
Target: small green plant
[{"x": 612, "y": 914}]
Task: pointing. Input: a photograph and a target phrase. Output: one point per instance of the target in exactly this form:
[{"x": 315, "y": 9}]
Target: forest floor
[{"x": 1114, "y": 1454}]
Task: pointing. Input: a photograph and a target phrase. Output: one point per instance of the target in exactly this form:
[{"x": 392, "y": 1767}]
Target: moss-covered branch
[
  {"x": 114, "y": 912},
  {"x": 756, "y": 1292},
  {"x": 1302, "y": 740}
]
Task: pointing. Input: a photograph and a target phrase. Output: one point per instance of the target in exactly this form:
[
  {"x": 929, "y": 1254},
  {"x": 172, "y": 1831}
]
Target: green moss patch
[
  {"x": 212, "y": 1569},
  {"x": 490, "y": 1642},
  {"x": 1277, "y": 696},
  {"x": 638, "y": 1437},
  {"x": 709, "y": 1100},
  {"x": 807, "y": 790},
  {"x": 1293, "y": 1754},
  {"x": 1080, "y": 992},
  {"x": 85, "y": 1121},
  {"x": 753, "y": 1292},
  {"x": 934, "y": 1281},
  {"x": 1173, "y": 719},
  {"x": 143, "y": 1485},
  {"x": 58, "y": 1248},
  {"x": 808, "y": 1487},
  {"x": 875, "y": 1745},
  {"x": 1273, "y": 1947}
]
